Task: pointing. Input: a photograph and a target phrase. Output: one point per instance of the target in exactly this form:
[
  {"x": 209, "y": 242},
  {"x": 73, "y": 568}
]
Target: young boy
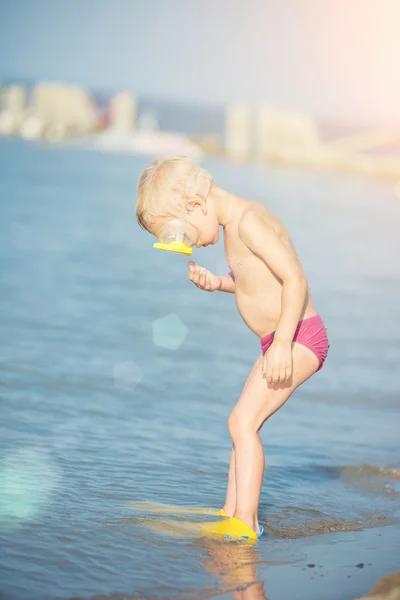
[{"x": 177, "y": 197}]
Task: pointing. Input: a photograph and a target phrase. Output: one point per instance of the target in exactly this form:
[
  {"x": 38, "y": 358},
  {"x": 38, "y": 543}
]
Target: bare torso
[{"x": 258, "y": 291}]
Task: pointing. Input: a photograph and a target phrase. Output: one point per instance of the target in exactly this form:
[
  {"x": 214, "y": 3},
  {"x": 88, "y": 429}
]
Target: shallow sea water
[{"x": 118, "y": 375}]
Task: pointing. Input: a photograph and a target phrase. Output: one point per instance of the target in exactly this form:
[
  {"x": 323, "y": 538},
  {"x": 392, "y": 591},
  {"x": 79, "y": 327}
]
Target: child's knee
[{"x": 240, "y": 425}]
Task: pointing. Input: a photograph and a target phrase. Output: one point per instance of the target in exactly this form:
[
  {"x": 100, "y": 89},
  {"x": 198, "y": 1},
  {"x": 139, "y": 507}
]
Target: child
[{"x": 272, "y": 296}]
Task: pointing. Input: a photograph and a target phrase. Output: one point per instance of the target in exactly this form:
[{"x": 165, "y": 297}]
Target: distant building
[
  {"x": 123, "y": 112},
  {"x": 281, "y": 134},
  {"x": 238, "y": 132},
  {"x": 13, "y": 109},
  {"x": 64, "y": 110},
  {"x": 15, "y": 101}
]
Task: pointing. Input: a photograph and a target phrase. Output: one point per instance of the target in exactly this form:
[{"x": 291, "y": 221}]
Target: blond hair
[{"x": 165, "y": 185}]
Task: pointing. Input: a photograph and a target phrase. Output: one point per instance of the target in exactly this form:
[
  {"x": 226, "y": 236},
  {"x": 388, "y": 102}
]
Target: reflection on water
[
  {"x": 103, "y": 406},
  {"x": 235, "y": 564}
]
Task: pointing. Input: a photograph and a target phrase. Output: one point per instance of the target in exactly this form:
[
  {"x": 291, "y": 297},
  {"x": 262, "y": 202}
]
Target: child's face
[
  {"x": 204, "y": 220},
  {"x": 198, "y": 227}
]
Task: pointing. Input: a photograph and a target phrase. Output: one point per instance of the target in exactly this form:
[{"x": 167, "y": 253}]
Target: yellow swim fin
[
  {"x": 170, "y": 509},
  {"x": 232, "y": 528}
]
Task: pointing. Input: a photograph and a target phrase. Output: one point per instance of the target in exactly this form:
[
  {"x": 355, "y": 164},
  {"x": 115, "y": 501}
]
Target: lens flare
[{"x": 28, "y": 478}]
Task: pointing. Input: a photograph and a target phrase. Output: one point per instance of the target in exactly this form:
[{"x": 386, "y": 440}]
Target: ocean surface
[{"x": 118, "y": 376}]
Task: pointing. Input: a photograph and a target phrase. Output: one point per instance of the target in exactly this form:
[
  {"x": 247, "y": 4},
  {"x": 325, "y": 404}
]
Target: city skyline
[{"x": 337, "y": 64}]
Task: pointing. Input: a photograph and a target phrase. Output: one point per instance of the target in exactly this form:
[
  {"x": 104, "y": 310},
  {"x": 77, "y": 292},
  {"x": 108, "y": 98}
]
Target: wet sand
[{"x": 387, "y": 588}]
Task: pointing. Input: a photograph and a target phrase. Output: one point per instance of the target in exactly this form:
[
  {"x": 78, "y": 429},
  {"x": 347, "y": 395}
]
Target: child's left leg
[
  {"x": 256, "y": 404},
  {"x": 230, "y": 500}
]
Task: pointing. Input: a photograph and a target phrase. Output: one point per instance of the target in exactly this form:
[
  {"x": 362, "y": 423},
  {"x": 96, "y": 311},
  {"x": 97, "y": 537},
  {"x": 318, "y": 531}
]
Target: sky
[{"x": 335, "y": 59}]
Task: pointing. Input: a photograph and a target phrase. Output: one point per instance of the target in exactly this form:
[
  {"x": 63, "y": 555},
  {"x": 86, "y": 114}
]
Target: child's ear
[{"x": 196, "y": 202}]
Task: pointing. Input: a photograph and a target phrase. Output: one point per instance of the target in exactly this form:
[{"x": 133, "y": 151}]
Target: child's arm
[
  {"x": 227, "y": 283},
  {"x": 205, "y": 280},
  {"x": 261, "y": 238}
]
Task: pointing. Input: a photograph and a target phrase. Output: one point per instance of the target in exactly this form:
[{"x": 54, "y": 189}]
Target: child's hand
[
  {"x": 203, "y": 278},
  {"x": 277, "y": 363}
]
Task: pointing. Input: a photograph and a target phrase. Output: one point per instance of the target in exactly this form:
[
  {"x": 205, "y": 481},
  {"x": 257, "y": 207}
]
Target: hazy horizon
[{"x": 338, "y": 65}]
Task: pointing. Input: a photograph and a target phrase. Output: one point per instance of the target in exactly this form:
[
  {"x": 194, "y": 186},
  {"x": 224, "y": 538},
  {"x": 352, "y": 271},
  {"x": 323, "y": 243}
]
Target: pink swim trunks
[{"x": 311, "y": 333}]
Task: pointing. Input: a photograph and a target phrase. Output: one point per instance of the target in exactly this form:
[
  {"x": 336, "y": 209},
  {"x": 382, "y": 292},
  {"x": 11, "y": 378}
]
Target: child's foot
[{"x": 252, "y": 523}]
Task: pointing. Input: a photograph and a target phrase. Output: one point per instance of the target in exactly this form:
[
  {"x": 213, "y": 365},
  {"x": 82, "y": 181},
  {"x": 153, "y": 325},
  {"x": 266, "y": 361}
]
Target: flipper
[
  {"x": 232, "y": 528},
  {"x": 170, "y": 528},
  {"x": 170, "y": 509}
]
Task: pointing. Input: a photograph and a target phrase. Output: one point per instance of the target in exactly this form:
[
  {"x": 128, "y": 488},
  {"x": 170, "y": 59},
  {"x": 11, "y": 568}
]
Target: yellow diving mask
[{"x": 177, "y": 236}]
